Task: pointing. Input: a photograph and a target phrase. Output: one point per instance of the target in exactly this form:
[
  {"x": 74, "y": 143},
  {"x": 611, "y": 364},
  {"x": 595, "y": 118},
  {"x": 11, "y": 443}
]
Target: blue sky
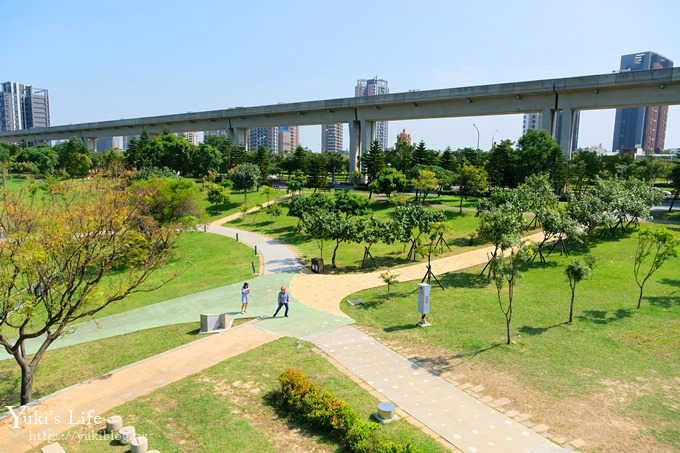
[{"x": 112, "y": 59}]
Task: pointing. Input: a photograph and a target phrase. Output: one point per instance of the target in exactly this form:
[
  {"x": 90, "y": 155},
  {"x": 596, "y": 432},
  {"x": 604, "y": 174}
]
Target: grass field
[
  {"x": 227, "y": 408},
  {"x": 61, "y": 368},
  {"x": 201, "y": 261},
  {"x": 629, "y": 357},
  {"x": 254, "y": 198}
]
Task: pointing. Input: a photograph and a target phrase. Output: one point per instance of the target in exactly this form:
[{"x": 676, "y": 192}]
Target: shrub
[{"x": 305, "y": 400}]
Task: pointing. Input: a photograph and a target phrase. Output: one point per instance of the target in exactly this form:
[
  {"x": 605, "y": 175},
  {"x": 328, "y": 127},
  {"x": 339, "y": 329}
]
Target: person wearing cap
[{"x": 283, "y": 301}]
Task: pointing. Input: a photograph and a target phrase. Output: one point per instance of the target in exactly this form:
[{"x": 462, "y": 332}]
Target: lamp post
[{"x": 477, "y": 129}]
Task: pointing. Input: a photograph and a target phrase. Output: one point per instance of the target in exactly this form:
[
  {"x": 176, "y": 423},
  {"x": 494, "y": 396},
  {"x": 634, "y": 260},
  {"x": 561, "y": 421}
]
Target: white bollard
[
  {"x": 139, "y": 445},
  {"x": 114, "y": 423},
  {"x": 126, "y": 434}
]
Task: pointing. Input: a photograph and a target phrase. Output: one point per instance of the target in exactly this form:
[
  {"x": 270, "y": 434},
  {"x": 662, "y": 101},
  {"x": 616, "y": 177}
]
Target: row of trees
[{"x": 345, "y": 217}]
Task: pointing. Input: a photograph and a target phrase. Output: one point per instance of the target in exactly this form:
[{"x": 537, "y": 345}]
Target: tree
[
  {"x": 675, "y": 180},
  {"x": 411, "y": 222},
  {"x": 538, "y": 152},
  {"x": 390, "y": 279},
  {"x": 217, "y": 194},
  {"x": 506, "y": 271},
  {"x": 205, "y": 159},
  {"x": 387, "y": 181},
  {"x": 372, "y": 161},
  {"x": 576, "y": 271},
  {"x": 74, "y": 158},
  {"x": 368, "y": 231},
  {"x": 653, "y": 249},
  {"x": 245, "y": 177},
  {"x": 297, "y": 182},
  {"x": 262, "y": 157},
  {"x": 499, "y": 165},
  {"x": 65, "y": 258},
  {"x": 424, "y": 182},
  {"x": 169, "y": 199},
  {"x": 502, "y": 226},
  {"x": 472, "y": 181}
]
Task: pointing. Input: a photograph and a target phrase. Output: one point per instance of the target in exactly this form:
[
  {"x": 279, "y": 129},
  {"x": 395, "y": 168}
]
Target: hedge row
[{"x": 304, "y": 399}]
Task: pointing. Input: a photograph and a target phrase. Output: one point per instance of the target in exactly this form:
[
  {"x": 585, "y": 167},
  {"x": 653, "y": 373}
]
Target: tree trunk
[
  {"x": 337, "y": 244},
  {"x": 26, "y": 385},
  {"x": 507, "y": 329},
  {"x": 571, "y": 306},
  {"x": 460, "y": 206},
  {"x": 640, "y": 297}
]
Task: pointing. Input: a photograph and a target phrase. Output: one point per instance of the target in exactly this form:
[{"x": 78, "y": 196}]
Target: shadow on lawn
[
  {"x": 601, "y": 316},
  {"x": 665, "y": 301},
  {"x": 529, "y": 330},
  {"x": 441, "y": 364},
  {"x": 463, "y": 280}
]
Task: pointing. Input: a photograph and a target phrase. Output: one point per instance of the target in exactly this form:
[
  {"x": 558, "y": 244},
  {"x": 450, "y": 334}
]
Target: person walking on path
[
  {"x": 283, "y": 301},
  {"x": 245, "y": 298}
]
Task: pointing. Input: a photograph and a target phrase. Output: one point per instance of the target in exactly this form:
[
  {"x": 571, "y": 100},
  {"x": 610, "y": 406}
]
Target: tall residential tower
[
  {"x": 373, "y": 87},
  {"x": 643, "y": 127},
  {"x": 23, "y": 107}
]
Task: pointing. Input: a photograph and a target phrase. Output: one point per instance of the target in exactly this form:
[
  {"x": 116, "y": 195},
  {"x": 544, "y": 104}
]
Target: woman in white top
[{"x": 245, "y": 298}]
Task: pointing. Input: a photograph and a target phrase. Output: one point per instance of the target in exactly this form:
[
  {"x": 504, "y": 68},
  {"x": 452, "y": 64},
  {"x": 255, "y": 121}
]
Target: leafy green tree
[
  {"x": 411, "y": 222},
  {"x": 583, "y": 168},
  {"x": 447, "y": 160},
  {"x": 143, "y": 153},
  {"x": 424, "y": 182},
  {"x": 74, "y": 158},
  {"x": 245, "y": 177},
  {"x": 206, "y": 159},
  {"x": 297, "y": 182},
  {"x": 262, "y": 157},
  {"x": 177, "y": 153},
  {"x": 372, "y": 161},
  {"x": 217, "y": 194},
  {"x": 169, "y": 200},
  {"x": 320, "y": 225},
  {"x": 402, "y": 157},
  {"x": 273, "y": 210},
  {"x": 507, "y": 270},
  {"x": 316, "y": 171},
  {"x": 653, "y": 249},
  {"x": 472, "y": 181},
  {"x": 538, "y": 152},
  {"x": 66, "y": 257},
  {"x": 369, "y": 231},
  {"x": 536, "y": 194},
  {"x": 500, "y": 225},
  {"x": 387, "y": 181},
  {"x": 499, "y": 166},
  {"x": 46, "y": 159},
  {"x": 576, "y": 271}
]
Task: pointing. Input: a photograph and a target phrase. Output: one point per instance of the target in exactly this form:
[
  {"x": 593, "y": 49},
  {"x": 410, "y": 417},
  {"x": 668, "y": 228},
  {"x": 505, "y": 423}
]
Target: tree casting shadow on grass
[
  {"x": 463, "y": 280},
  {"x": 600, "y": 316},
  {"x": 664, "y": 301}
]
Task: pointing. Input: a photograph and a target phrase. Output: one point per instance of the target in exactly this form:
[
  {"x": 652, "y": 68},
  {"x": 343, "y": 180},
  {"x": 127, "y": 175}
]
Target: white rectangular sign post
[{"x": 424, "y": 303}]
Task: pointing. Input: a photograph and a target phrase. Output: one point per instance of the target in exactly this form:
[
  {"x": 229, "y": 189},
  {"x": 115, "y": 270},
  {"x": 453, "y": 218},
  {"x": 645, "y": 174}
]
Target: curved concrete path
[{"x": 448, "y": 411}]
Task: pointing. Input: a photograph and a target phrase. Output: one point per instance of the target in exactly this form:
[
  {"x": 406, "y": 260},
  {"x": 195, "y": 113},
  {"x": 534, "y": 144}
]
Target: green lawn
[
  {"x": 201, "y": 261},
  {"x": 462, "y": 227},
  {"x": 610, "y": 346},
  {"x": 63, "y": 367},
  {"x": 236, "y": 201},
  {"x": 227, "y": 408}
]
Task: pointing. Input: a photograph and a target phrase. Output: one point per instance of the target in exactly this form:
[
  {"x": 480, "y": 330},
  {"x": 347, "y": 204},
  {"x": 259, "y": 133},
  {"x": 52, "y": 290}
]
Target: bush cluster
[{"x": 304, "y": 400}]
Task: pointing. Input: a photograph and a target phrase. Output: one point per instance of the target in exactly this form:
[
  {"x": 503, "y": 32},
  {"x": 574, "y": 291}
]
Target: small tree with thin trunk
[
  {"x": 653, "y": 249},
  {"x": 577, "y": 271},
  {"x": 390, "y": 279},
  {"x": 506, "y": 270}
]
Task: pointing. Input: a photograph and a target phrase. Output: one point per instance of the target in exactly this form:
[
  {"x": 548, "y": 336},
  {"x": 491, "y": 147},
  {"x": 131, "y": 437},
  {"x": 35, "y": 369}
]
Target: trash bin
[{"x": 317, "y": 265}]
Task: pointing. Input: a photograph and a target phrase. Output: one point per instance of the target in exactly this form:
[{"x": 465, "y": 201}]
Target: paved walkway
[{"x": 315, "y": 316}]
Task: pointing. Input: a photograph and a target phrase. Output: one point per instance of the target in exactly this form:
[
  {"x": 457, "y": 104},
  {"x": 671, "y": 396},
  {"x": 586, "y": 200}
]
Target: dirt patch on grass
[
  {"x": 248, "y": 404},
  {"x": 596, "y": 418}
]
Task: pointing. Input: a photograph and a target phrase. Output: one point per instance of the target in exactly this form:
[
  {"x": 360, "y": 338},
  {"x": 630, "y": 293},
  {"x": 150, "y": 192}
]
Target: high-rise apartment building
[
  {"x": 373, "y": 87},
  {"x": 535, "y": 121},
  {"x": 331, "y": 137},
  {"x": 643, "y": 127},
  {"x": 289, "y": 139},
  {"x": 263, "y": 136},
  {"x": 23, "y": 107}
]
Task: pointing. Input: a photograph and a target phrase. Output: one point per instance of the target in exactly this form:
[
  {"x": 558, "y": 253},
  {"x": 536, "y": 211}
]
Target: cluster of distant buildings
[{"x": 26, "y": 107}]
